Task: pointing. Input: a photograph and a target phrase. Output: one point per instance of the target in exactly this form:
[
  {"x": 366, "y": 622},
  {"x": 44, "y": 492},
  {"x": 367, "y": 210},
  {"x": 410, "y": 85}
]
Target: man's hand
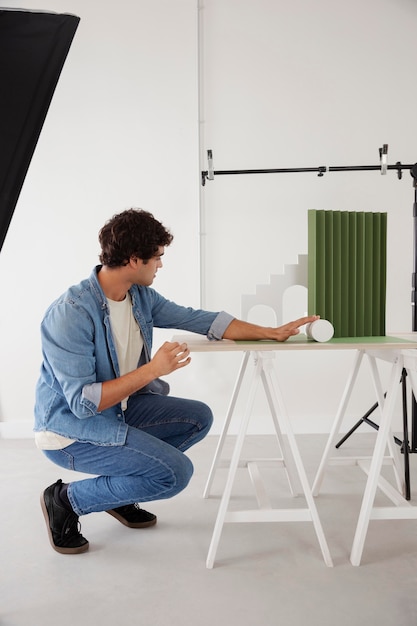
[
  {"x": 282, "y": 333},
  {"x": 171, "y": 356}
]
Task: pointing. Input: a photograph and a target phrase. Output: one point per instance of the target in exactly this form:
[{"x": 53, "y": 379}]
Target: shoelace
[{"x": 72, "y": 526}]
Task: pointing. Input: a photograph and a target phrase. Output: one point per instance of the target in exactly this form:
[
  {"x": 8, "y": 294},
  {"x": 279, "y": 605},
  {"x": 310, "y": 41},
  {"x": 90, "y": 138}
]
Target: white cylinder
[{"x": 320, "y": 330}]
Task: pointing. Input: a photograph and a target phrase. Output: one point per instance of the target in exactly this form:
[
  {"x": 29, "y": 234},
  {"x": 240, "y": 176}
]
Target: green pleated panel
[{"x": 347, "y": 270}]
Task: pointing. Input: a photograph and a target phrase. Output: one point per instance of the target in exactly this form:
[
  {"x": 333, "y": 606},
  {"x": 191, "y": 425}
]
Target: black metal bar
[
  {"x": 358, "y": 423},
  {"x": 270, "y": 171},
  {"x": 365, "y": 419},
  {"x": 320, "y": 170},
  {"x": 405, "y": 447},
  {"x": 351, "y": 431}
]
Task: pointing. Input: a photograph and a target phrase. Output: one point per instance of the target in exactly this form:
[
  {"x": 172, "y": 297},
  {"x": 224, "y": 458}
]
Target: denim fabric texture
[{"x": 151, "y": 465}]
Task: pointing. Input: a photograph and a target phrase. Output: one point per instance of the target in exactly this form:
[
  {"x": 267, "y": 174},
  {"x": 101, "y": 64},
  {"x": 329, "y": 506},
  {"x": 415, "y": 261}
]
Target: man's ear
[{"x": 135, "y": 262}]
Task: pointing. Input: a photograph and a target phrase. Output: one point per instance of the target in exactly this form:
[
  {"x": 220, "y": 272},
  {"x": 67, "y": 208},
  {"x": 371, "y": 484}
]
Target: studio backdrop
[{"x": 33, "y": 49}]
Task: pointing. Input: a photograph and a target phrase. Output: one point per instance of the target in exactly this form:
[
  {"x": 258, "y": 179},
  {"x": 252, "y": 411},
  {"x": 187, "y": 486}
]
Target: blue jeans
[{"x": 151, "y": 465}]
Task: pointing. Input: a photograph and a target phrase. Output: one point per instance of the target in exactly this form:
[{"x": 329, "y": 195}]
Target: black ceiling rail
[{"x": 383, "y": 167}]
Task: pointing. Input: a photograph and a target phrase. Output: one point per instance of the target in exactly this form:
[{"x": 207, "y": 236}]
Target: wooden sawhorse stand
[{"x": 263, "y": 371}]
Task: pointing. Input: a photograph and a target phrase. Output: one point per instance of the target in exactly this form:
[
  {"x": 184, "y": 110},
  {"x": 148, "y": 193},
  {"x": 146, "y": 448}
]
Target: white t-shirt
[{"x": 127, "y": 336}]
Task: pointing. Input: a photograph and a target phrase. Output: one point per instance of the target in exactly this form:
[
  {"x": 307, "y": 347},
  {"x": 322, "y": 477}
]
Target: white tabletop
[{"x": 200, "y": 343}]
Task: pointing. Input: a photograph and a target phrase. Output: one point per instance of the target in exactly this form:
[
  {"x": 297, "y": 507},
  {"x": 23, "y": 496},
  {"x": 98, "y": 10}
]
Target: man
[{"x": 101, "y": 407}]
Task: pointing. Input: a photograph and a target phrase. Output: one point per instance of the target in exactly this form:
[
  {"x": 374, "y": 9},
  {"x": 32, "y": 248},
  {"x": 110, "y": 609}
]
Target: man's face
[{"x": 146, "y": 270}]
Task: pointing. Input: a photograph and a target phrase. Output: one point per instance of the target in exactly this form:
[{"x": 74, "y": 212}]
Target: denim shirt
[{"x": 79, "y": 354}]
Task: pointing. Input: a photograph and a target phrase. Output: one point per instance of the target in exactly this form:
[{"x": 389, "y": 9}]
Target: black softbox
[{"x": 33, "y": 49}]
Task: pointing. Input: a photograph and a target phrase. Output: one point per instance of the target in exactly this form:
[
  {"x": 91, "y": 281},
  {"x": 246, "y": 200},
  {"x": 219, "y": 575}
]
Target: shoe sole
[
  {"x": 123, "y": 521},
  {"x": 78, "y": 550}
]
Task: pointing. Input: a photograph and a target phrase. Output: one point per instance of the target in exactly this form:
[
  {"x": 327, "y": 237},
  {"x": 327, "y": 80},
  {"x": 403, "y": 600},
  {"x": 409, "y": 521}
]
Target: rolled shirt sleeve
[
  {"x": 219, "y": 325},
  {"x": 92, "y": 393}
]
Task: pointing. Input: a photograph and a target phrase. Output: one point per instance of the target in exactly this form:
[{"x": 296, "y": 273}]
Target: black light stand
[{"x": 383, "y": 167}]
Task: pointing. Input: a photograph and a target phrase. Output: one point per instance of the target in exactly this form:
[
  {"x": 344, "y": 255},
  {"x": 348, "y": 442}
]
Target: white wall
[
  {"x": 304, "y": 84},
  {"x": 285, "y": 85},
  {"x": 122, "y": 131}
]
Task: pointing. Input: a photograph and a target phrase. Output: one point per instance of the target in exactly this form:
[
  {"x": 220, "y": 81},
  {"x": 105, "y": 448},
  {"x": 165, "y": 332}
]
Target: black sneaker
[
  {"x": 62, "y": 525},
  {"x": 133, "y": 516}
]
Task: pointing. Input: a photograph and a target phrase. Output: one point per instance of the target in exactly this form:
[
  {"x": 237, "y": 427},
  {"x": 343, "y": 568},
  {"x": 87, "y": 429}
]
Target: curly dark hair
[{"x": 131, "y": 233}]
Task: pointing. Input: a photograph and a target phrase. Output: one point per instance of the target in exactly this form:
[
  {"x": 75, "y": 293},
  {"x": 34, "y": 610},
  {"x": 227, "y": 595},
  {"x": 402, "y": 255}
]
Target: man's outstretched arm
[{"x": 244, "y": 331}]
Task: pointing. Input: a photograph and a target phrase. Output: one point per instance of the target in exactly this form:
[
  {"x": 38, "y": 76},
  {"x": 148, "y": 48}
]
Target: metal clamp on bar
[
  {"x": 210, "y": 172},
  {"x": 383, "y": 155}
]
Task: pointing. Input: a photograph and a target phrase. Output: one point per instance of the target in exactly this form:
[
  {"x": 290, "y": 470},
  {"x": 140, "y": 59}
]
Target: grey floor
[{"x": 265, "y": 574}]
